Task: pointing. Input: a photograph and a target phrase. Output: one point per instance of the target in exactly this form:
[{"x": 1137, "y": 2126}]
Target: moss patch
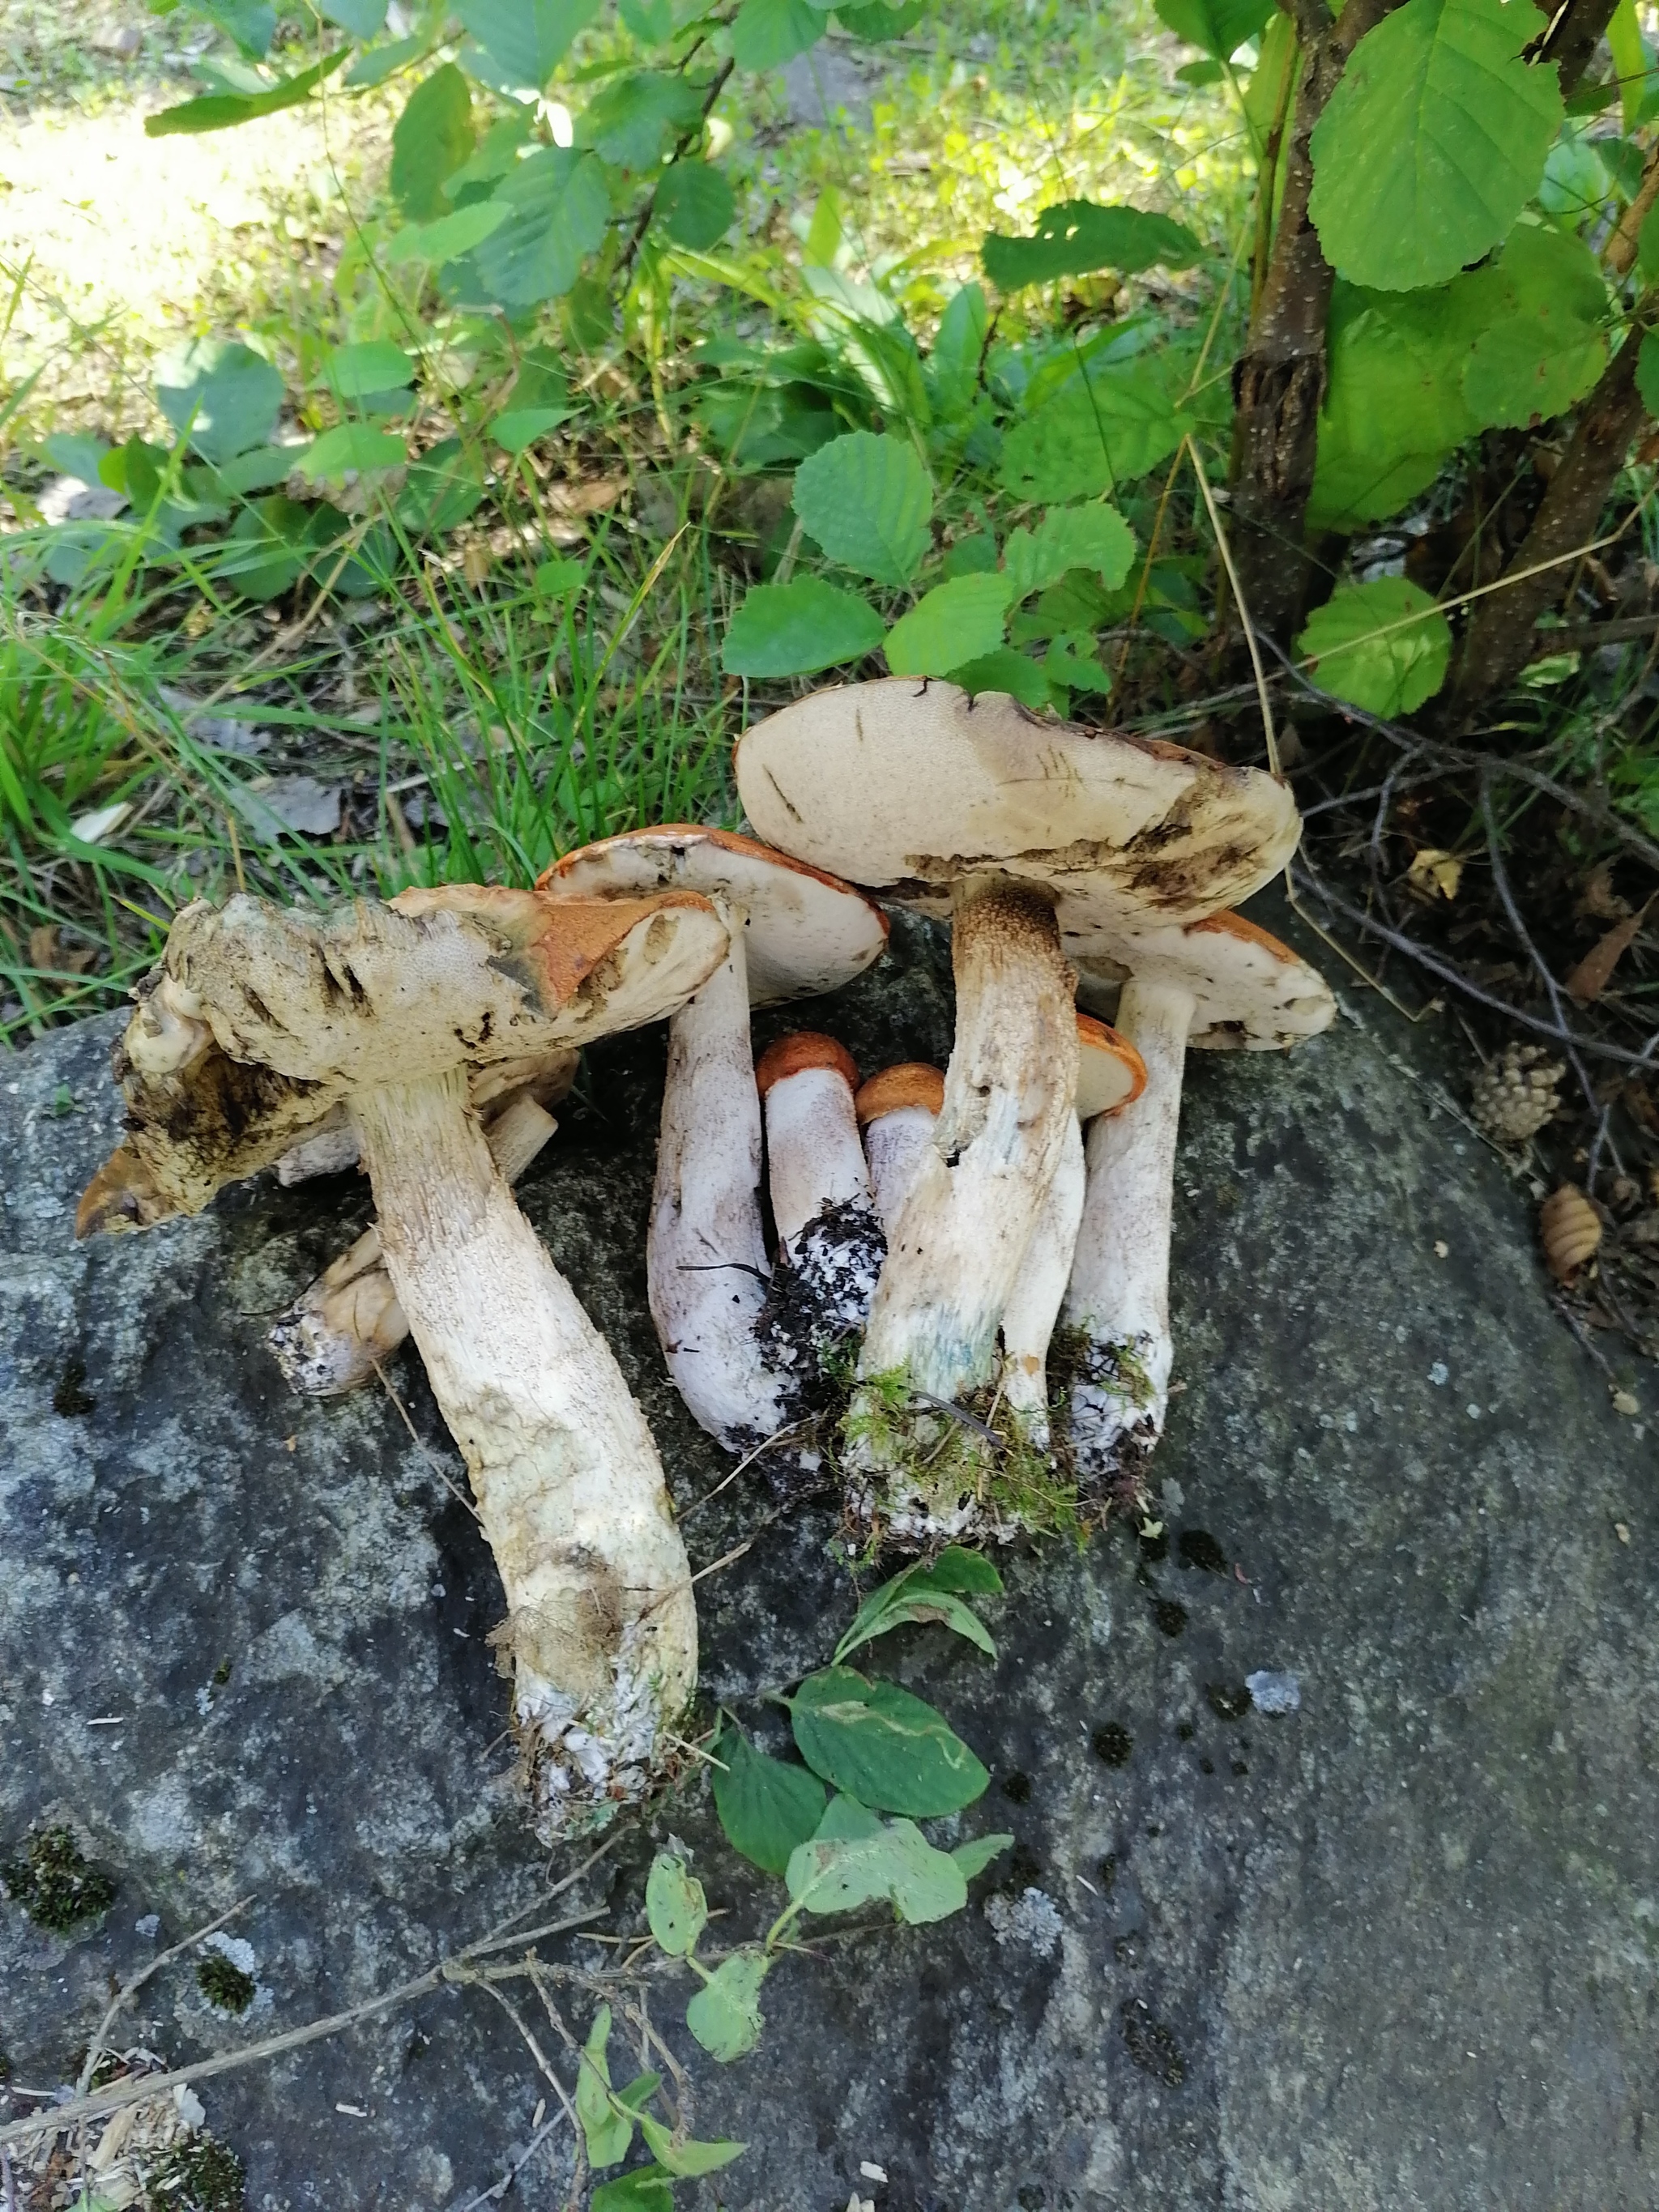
[
  {"x": 55, "y": 1885},
  {"x": 202, "y": 2177},
  {"x": 224, "y": 1984}
]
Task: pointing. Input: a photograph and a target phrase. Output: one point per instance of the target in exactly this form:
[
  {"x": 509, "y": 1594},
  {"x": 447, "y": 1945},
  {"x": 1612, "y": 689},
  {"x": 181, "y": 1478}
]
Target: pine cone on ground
[{"x": 1513, "y": 1098}]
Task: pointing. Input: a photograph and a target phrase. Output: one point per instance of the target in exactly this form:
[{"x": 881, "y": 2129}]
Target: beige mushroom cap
[
  {"x": 273, "y": 1015},
  {"x": 1251, "y": 993},
  {"x": 905, "y": 786},
  {"x": 804, "y": 932}
]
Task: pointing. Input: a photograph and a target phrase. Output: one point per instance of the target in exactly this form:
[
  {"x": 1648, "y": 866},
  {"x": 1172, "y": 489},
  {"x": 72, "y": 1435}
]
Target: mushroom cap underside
[
  {"x": 303, "y": 1010},
  {"x": 1250, "y": 992},
  {"x": 804, "y": 931},
  {"x": 904, "y": 786}
]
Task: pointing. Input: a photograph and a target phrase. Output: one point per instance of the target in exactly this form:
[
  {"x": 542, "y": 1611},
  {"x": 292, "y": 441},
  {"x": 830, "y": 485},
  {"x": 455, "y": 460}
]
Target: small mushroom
[
  {"x": 896, "y": 1110},
  {"x": 1111, "y": 1075},
  {"x": 1028, "y": 834},
  {"x": 830, "y": 1239},
  {"x": 388, "y": 1009},
  {"x": 1220, "y": 983},
  {"x": 794, "y": 932}
]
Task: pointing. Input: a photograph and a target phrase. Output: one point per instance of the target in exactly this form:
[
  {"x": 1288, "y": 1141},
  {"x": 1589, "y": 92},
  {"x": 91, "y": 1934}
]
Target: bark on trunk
[{"x": 1574, "y": 37}]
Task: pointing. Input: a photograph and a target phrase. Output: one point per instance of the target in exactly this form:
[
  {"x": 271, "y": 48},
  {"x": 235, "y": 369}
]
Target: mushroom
[
  {"x": 1027, "y": 833},
  {"x": 896, "y": 1110},
  {"x": 1220, "y": 983},
  {"x": 1111, "y": 1075},
  {"x": 794, "y": 932},
  {"x": 831, "y": 1244},
  {"x": 331, "y": 1147},
  {"x": 387, "y": 1008}
]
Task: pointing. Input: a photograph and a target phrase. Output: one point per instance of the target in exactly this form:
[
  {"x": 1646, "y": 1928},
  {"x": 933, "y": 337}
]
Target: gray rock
[{"x": 1399, "y": 1948}]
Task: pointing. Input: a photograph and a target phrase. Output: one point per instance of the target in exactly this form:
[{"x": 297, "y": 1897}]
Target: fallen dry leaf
[
  {"x": 1433, "y": 870},
  {"x": 1594, "y": 971},
  {"x": 1571, "y": 1230},
  {"x": 590, "y": 498},
  {"x": 1599, "y": 902},
  {"x": 1624, "y": 1402}
]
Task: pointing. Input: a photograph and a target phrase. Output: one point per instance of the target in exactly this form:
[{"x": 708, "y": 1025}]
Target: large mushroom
[
  {"x": 388, "y": 1009},
  {"x": 1222, "y": 984},
  {"x": 1026, "y": 833},
  {"x": 795, "y": 931}
]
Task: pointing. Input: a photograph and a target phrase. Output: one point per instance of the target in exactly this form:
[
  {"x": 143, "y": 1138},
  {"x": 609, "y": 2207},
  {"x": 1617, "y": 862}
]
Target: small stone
[{"x": 1274, "y": 1693}]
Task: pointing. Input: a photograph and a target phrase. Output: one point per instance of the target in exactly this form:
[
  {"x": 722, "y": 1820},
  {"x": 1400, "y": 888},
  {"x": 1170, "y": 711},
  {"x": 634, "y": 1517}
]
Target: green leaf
[
  {"x": 766, "y": 1806},
  {"x": 361, "y": 18},
  {"x": 844, "y": 1818},
  {"x": 1394, "y": 403},
  {"x": 1071, "y": 665},
  {"x": 1432, "y": 143},
  {"x": 228, "y": 394},
  {"x": 799, "y": 628},
  {"x": 1106, "y": 425},
  {"x": 1219, "y": 26},
  {"x": 450, "y": 236},
  {"x": 691, "y": 2158},
  {"x": 380, "y": 63},
  {"x": 724, "y": 2015},
  {"x": 526, "y": 40},
  {"x": 970, "y": 1574},
  {"x": 1094, "y": 537},
  {"x": 650, "y": 21},
  {"x": 441, "y": 489},
  {"x": 220, "y": 110},
  {"x": 357, "y": 372},
  {"x": 973, "y": 1858},
  {"x": 1078, "y": 236},
  {"x": 521, "y": 426},
  {"x": 881, "y": 1746},
  {"x": 350, "y": 449},
  {"x": 250, "y": 25},
  {"x": 927, "y": 1593},
  {"x": 77, "y": 454},
  {"x": 557, "y": 579},
  {"x": 557, "y": 210},
  {"x": 675, "y": 1904},
  {"x": 1006, "y": 671},
  {"x": 606, "y": 2131},
  {"x": 1543, "y": 347},
  {"x": 895, "y": 1864},
  {"x": 920, "y": 1608},
  {"x": 648, "y": 2189},
  {"x": 1647, "y": 371},
  {"x": 628, "y": 124},
  {"x": 1647, "y": 244},
  {"x": 1629, "y": 60},
  {"x": 432, "y": 137},
  {"x": 953, "y": 365},
  {"x": 877, "y": 21},
  {"x": 766, "y": 33},
  {"x": 867, "y": 499},
  {"x": 695, "y": 205},
  {"x": 953, "y": 622},
  {"x": 1359, "y": 651}
]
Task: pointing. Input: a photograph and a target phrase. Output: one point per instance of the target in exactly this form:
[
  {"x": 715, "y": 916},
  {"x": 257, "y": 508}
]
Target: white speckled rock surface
[{"x": 1398, "y": 1948}]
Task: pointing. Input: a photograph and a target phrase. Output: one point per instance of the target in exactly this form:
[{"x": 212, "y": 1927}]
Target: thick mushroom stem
[
  {"x": 601, "y": 1631},
  {"x": 347, "y": 1322},
  {"x": 1119, "y": 1293},
  {"x": 1033, "y": 1307},
  {"x": 705, "y": 1254},
  {"x": 1008, "y": 1092}
]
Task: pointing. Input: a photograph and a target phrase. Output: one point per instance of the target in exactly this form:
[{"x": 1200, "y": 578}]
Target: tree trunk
[{"x": 1573, "y": 39}]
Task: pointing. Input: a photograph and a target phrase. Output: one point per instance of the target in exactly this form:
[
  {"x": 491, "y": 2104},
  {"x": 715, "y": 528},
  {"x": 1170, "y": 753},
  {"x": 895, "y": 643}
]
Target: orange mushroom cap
[
  {"x": 799, "y": 1050},
  {"x": 911, "y": 1083}
]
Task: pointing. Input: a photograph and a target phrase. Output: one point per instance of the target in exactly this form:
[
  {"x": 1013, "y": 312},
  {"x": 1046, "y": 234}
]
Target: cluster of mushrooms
[{"x": 944, "y": 1224}]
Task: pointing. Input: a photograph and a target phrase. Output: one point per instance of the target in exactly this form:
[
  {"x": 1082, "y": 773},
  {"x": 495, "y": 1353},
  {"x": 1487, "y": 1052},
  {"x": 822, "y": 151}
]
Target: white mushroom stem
[
  {"x": 601, "y": 1630},
  {"x": 706, "y": 1264},
  {"x": 1119, "y": 1292},
  {"x": 349, "y": 1322},
  {"x": 815, "y": 1160},
  {"x": 895, "y": 1144},
  {"x": 964, "y": 1231},
  {"x": 1033, "y": 1307}
]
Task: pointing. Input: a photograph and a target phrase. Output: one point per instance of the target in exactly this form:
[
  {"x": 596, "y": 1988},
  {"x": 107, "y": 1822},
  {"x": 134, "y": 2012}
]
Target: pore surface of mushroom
[
  {"x": 392, "y": 1010},
  {"x": 795, "y": 931},
  {"x": 1031, "y": 836},
  {"x": 1221, "y": 983}
]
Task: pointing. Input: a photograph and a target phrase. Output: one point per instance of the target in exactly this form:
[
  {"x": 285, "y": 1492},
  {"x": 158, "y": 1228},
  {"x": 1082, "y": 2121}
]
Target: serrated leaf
[
  {"x": 695, "y": 205},
  {"x": 431, "y": 139},
  {"x": 449, "y": 237},
  {"x": 1432, "y": 143},
  {"x": 629, "y": 123},
  {"x": 799, "y": 628},
  {"x": 866, "y": 499},
  {"x": 1384, "y": 646},
  {"x": 675, "y": 1904},
  {"x": 558, "y": 208},
  {"x": 228, "y": 394},
  {"x": 1078, "y": 236},
  {"x": 1107, "y": 425},
  {"x": 766, "y": 1806},
  {"x": 691, "y": 2158},
  {"x": 724, "y": 2015},
  {"x": 1072, "y": 666},
  {"x": 766, "y": 33},
  {"x": 648, "y": 2189},
  {"x": 606, "y": 2132},
  {"x": 955, "y": 621},
  {"x": 1006, "y": 671},
  {"x": 974, "y": 1858},
  {"x": 1543, "y": 347},
  {"x": 1394, "y": 401},
  {"x": 881, "y": 1746},
  {"x": 1219, "y": 26},
  {"x": 1094, "y": 537},
  {"x": 356, "y": 372},
  {"x": 526, "y": 40},
  {"x": 896, "y": 1865}
]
